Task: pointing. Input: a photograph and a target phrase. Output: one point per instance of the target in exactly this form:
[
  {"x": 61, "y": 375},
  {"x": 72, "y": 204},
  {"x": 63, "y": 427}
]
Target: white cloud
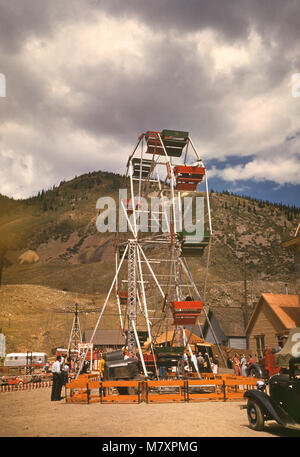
[
  {"x": 282, "y": 167},
  {"x": 80, "y": 96}
]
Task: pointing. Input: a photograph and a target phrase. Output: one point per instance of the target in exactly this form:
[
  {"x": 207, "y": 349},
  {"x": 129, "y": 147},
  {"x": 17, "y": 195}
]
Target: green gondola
[
  {"x": 146, "y": 167},
  {"x": 174, "y": 141},
  {"x": 192, "y": 245}
]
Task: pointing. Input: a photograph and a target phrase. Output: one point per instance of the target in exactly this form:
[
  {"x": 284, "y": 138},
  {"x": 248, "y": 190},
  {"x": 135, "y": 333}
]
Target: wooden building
[
  {"x": 225, "y": 325},
  {"x": 273, "y": 317},
  {"x": 105, "y": 339}
]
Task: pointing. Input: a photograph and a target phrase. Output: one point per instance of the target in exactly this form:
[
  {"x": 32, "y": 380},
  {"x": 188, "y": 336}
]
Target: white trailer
[{"x": 18, "y": 359}]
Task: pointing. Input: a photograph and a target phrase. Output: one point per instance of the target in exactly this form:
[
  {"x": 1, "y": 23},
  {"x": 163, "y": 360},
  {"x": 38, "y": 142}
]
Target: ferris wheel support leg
[
  {"x": 195, "y": 151},
  {"x": 146, "y": 310},
  {"x": 128, "y": 220},
  {"x": 208, "y": 204},
  {"x": 139, "y": 348},
  {"x": 187, "y": 344},
  {"x": 118, "y": 299},
  {"x": 187, "y": 272},
  {"x": 132, "y": 154},
  {"x": 206, "y": 271},
  {"x": 141, "y": 167},
  {"x": 101, "y": 313}
]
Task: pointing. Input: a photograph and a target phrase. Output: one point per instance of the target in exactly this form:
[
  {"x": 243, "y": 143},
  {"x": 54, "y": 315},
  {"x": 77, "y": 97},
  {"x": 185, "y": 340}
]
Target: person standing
[
  {"x": 65, "y": 373},
  {"x": 180, "y": 369},
  {"x": 186, "y": 361},
  {"x": 249, "y": 364},
  {"x": 207, "y": 363},
  {"x": 229, "y": 362},
  {"x": 216, "y": 363},
  {"x": 243, "y": 365},
  {"x": 101, "y": 366},
  {"x": 214, "y": 367},
  {"x": 56, "y": 380},
  {"x": 237, "y": 365},
  {"x": 200, "y": 360}
]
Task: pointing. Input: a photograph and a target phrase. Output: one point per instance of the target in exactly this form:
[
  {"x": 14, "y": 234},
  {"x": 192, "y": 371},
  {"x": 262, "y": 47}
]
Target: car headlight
[{"x": 260, "y": 385}]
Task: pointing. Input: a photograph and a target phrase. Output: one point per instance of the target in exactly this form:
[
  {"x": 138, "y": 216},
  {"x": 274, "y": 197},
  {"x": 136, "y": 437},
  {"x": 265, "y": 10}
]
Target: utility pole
[
  {"x": 75, "y": 336},
  {"x": 245, "y": 294}
]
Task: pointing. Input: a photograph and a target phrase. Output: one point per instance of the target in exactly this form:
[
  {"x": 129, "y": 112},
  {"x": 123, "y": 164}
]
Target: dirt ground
[{"x": 32, "y": 414}]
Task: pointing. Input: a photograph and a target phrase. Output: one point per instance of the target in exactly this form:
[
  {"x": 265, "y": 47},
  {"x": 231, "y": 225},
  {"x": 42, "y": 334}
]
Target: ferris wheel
[{"x": 153, "y": 287}]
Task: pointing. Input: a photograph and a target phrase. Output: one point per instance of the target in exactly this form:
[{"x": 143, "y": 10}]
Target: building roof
[
  {"x": 105, "y": 337},
  {"x": 230, "y": 320},
  {"x": 284, "y": 306},
  {"x": 194, "y": 339}
]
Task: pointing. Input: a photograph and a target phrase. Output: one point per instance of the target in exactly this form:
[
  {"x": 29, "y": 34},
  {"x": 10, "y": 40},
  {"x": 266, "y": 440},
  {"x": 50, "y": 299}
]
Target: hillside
[
  {"x": 40, "y": 318},
  {"x": 75, "y": 260}
]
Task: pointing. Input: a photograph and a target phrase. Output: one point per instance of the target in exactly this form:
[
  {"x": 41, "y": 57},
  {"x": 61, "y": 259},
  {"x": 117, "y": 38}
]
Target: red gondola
[
  {"x": 187, "y": 177},
  {"x": 186, "y": 312}
]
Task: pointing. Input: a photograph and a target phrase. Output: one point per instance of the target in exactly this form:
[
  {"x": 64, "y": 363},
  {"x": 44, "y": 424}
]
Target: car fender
[
  {"x": 267, "y": 406},
  {"x": 260, "y": 373}
]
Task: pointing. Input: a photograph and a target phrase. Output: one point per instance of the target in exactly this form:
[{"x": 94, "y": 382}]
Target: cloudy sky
[{"x": 84, "y": 78}]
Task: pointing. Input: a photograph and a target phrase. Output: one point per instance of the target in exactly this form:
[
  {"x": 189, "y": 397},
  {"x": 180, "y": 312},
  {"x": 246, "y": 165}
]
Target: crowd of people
[
  {"x": 207, "y": 364},
  {"x": 201, "y": 362},
  {"x": 61, "y": 369},
  {"x": 240, "y": 363}
]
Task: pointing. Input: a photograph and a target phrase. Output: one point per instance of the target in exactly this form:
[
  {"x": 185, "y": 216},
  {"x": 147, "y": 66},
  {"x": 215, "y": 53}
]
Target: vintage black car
[
  {"x": 116, "y": 368},
  {"x": 282, "y": 404}
]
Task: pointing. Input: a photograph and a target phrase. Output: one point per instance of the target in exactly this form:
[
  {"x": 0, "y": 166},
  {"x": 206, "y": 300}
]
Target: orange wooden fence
[{"x": 213, "y": 387}]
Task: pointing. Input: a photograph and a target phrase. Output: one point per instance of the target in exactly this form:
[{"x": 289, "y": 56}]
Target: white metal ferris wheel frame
[
  {"x": 136, "y": 255},
  {"x": 172, "y": 179}
]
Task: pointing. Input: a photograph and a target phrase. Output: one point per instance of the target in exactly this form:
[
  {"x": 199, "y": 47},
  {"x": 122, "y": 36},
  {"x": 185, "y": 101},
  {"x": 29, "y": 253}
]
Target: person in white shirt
[{"x": 57, "y": 380}]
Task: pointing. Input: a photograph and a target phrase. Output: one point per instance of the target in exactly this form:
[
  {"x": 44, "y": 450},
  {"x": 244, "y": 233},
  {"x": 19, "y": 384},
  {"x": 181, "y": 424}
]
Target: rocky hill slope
[{"x": 73, "y": 258}]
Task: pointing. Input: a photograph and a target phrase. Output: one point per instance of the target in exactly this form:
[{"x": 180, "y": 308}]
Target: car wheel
[
  {"x": 123, "y": 390},
  {"x": 255, "y": 416},
  {"x": 254, "y": 372}
]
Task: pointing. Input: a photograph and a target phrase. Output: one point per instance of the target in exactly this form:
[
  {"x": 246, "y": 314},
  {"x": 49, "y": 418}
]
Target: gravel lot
[{"x": 32, "y": 414}]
